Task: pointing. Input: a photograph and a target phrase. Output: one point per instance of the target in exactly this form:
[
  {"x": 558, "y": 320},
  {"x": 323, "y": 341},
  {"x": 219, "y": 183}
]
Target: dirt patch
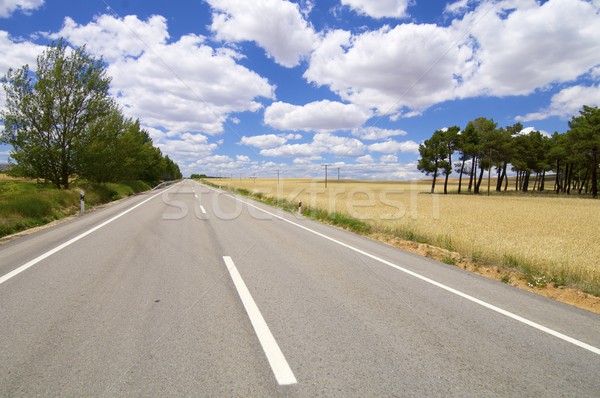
[{"x": 512, "y": 277}]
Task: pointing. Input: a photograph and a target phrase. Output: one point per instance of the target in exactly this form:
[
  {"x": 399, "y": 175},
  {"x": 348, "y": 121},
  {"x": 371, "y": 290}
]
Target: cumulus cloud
[
  {"x": 264, "y": 141},
  {"x": 366, "y": 159},
  {"x": 322, "y": 143},
  {"x": 116, "y": 38},
  {"x": 409, "y": 66},
  {"x": 379, "y": 8},
  {"x": 523, "y": 46},
  {"x": 275, "y": 25},
  {"x": 392, "y": 146},
  {"x": 376, "y": 133},
  {"x": 456, "y": 7},
  {"x": 389, "y": 159},
  {"x": 315, "y": 116},
  {"x": 15, "y": 54},
  {"x": 566, "y": 103},
  {"x": 186, "y": 86},
  {"x": 8, "y": 7},
  {"x": 498, "y": 48}
]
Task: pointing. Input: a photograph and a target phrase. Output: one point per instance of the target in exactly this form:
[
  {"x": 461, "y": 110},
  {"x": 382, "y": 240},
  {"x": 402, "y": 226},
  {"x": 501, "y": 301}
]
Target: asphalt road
[{"x": 190, "y": 291}]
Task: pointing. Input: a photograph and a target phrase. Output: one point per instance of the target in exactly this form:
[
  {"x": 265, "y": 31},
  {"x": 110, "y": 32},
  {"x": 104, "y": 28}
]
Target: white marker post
[
  {"x": 300, "y": 208},
  {"x": 81, "y": 202}
]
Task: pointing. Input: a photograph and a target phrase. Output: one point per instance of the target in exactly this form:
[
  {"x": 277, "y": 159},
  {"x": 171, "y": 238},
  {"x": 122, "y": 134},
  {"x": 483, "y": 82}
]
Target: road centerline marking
[
  {"x": 466, "y": 296},
  {"x": 58, "y": 248},
  {"x": 280, "y": 367}
]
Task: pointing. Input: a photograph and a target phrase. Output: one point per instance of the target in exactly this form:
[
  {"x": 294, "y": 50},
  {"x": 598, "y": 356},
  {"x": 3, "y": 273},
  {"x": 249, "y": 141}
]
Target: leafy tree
[
  {"x": 585, "y": 133},
  {"x": 482, "y": 147},
  {"x": 433, "y": 154},
  {"x": 45, "y": 116}
]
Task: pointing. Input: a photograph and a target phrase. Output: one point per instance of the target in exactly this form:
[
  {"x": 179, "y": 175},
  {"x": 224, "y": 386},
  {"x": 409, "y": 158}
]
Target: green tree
[
  {"x": 585, "y": 133},
  {"x": 47, "y": 114},
  {"x": 433, "y": 154}
]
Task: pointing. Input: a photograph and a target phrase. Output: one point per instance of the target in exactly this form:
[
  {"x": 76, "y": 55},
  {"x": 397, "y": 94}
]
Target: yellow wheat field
[{"x": 555, "y": 236}]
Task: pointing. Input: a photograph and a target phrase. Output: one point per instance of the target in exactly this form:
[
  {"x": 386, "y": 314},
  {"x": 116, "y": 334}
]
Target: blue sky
[{"x": 236, "y": 87}]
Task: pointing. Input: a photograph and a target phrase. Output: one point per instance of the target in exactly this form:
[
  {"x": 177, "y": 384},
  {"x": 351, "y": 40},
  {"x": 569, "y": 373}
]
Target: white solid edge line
[
  {"x": 281, "y": 369},
  {"x": 202, "y": 209},
  {"x": 36, "y": 260},
  {"x": 485, "y": 304}
]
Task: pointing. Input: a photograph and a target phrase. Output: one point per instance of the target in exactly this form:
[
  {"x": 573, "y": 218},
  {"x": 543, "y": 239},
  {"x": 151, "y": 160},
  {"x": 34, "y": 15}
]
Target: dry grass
[{"x": 554, "y": 237}]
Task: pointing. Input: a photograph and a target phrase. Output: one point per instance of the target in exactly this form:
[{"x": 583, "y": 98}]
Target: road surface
[{"x": 191, "y": 291}]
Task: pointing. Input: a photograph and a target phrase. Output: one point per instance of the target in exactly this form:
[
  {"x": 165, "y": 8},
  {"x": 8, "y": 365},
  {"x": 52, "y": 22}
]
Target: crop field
[{"x": 545, "y": 236}]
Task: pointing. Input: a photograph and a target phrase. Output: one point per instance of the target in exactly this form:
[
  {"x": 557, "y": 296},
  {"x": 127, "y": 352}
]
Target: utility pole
[
  {"x": 277, "y": 176},
  {"x": 326, "y": 165},
  {"x": 338, "y": 174}
]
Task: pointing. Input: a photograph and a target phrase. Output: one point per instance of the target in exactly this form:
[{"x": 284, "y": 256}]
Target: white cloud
[
  {"x": 315, "y": 116},
  {"x": 365, "y": 159},
  {"x": 498, "y": 48},
  {"x": 264, "y": 141},
  {"x": 188, "y": 86},
  {"x": 376, "y": 133},
  {"x": 456, "y": 7},
  {"x": 275, "y": 25},
  {"x": 293, "y": 150},
  {"x": 185, "y": 86},
  {"x": 522, "y": 46},
  {"x": 380, "y": 8},
  {"x": 17, "y": 53},
  {"x": 339, "y": 146},
  {"x": 392, "y": 146},
  {"x": 7, "y": 7},
  {"x": 242, "y": 158},
  {"x": 566, "y": 103},
  {"x": 410, "y": 66},
  {"x": 389, "y": 159},
  {"x": 529, "y": 130},
  {"x": 322, "y": 143},
  {"x": 116, "y": 38}
]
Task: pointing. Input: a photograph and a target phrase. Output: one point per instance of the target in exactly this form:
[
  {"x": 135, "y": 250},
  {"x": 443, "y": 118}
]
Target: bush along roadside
[{"x": 26, "y": 204}]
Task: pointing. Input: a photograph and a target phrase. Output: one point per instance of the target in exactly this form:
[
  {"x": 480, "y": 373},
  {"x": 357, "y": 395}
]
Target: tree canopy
[{"x": 62, "y": 123}]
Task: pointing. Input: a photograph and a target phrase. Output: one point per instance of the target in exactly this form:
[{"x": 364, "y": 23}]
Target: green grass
[{"x": 27, "y": 204}]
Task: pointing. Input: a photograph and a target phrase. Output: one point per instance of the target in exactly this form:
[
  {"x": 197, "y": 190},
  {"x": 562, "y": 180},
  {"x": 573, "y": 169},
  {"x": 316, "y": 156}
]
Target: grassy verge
[
  {"x": 25, "y": 204},
  {"x": 333, "y": 218}
]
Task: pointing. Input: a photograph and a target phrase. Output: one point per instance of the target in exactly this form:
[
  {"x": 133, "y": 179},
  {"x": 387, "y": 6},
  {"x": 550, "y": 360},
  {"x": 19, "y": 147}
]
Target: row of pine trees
[{"x": 572, "y": 157}]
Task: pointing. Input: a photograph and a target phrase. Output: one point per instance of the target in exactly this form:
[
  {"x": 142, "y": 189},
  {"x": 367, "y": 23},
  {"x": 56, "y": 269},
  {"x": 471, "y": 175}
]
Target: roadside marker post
[
  {"x": 300, "y": 208},
  {"x": 81, "y": 202}
]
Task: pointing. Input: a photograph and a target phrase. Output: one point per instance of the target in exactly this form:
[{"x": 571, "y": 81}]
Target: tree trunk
[
  {"x": 569, "y": 178},
  {"x": 584, "y": 181},
  {"x": 517, "y": 181},
  {"x": 526, "y": 181},
  {"x": 557, "y": 181},
  {"x": 479, "y": 178},
  {"x": 595, "y": 173},
  {"x": 501, "y": 176},
  {"x": 462, "y": 168},
  {"x": 473, "y": 167},
  {"x": 448, "y": 174},
  {"x": 535, "y": 182},
  {"x": 434, "y": 177},
  {"x": 543, "y": 182}
]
